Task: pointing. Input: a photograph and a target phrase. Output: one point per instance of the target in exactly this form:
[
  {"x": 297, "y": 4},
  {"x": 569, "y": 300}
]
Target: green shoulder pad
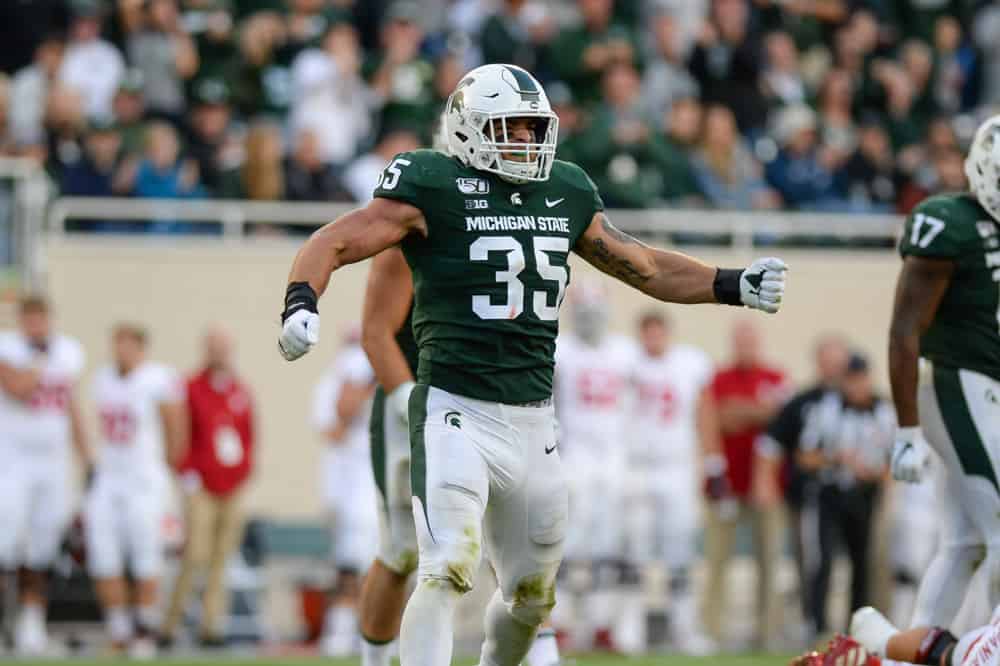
[
  {"x": 409, "y": 174},
  {"x": 942, "y": 226},
  {"x": 575, "y": 177}
]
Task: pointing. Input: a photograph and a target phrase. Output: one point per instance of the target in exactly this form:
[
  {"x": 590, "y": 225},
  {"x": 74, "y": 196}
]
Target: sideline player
[
  {"x": 874, "y": 641},
  {"x": 141, "y": 417},
  {"x": 486, "y": 233},
  {"x": 671, "y": 419},
  {"x": 340, "y": 415},
  {"x": 944, "y": 363},
  {"x": 591, "y": 396},
  {"x": 39, "y": 421}
]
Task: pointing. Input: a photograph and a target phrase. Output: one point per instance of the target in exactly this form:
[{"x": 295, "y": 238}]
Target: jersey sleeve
[
  {"x": 404, "y": 178},
  {"x": 787, "y": 426},
  {"x": 357, "y": 369},
  {"x": 324, "y": 408},
  {"x": 937, "y": 228},
  {"x": 167, "y": 386}
]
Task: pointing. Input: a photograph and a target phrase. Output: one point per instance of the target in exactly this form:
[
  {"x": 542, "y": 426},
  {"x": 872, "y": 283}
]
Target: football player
[
  {"x": 671, "y": 417},
  {"x": 340, "y": 415},
  {"x": 486, "y": 232},
  {"x": 141, "y": 417},
  {"x": 39, "y": 422},
  {"x": 944, "y": 357},
  {"x": 387, "y": 338},
  {"x": 591, "y": 394},
  {"x": 876, "y": 642}
]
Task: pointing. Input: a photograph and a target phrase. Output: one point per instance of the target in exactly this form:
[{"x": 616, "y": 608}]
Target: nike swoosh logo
[
  {"x": 549, "y": 450},
  {"x": 755, "y": 280},
  {"x": 550, "y": 204}
]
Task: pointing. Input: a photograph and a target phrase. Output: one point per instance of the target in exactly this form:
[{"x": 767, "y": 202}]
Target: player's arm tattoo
[{"x": 603, "y": 253}]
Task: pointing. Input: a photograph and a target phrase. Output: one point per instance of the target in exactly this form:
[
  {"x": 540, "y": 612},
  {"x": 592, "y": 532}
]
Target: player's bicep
[
  {"x": 367, "y": 231},
  {"x": 922, "y": 284},
  {"x": 614, "y": 252}
]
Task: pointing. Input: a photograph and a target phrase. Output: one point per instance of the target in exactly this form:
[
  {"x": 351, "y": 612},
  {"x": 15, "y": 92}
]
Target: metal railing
[
  {"x": 26, "y": 193},
  {"x": 741, "y": 229}
]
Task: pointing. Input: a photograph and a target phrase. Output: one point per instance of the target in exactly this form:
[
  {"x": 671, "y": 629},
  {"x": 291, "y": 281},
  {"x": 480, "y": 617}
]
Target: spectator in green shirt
[
  {"x": 129, "y": 111},
  {"x": 616, "y": 147},
  {"x": 516, "y": 34},
  {"x": 401, "y": 78},
  {"x": 262, "y": 83},
  {"x": 675, "y": 147},
  {"x": 581, "y": 55}
]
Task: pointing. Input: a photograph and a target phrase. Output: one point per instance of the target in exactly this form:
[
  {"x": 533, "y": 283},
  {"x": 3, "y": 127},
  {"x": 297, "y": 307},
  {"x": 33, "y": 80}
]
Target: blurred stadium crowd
[{"x": 829, "y": 105}]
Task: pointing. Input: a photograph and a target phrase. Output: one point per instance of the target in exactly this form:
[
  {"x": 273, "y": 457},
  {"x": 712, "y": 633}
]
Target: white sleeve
[
  {"x": 171, "y": 389},
  {"x": 978, "y": 647},
  {"x": 704, "y": 369},
  {"x": 357, "y": 369},
  {"x": 76, "y": 358},
  {"x": 324, "y": 411}
]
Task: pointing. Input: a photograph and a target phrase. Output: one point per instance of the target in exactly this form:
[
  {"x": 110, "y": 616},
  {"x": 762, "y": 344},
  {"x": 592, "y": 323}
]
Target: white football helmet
[
  {"x": 982, "y": 166},
  {"x": 498, "y": 93}
]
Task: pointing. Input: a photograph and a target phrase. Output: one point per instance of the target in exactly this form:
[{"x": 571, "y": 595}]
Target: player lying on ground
[
  {"x": 486, "y": 232},
  {"x": 944, "y": 362},
  {"x": 874, "y": 641}
]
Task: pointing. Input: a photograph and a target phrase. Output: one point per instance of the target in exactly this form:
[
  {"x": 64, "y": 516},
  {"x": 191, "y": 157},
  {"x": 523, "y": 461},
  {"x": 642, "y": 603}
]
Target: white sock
[
  {"x": 427, "y": 635},
  {"x": 147, "y": 618},
  {"x": 544, "y": 650},
  {"x": 341, "y": 621},
  {"x": 118, "y": 622},
  {"x": 376, "y": 654},
  {"x": 507, "y": 638}
]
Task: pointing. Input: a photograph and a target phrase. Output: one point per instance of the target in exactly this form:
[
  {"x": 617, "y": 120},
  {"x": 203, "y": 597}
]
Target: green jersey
[
  {"x": 490, "y": 275},
  {"x": 965, "y": 332}
]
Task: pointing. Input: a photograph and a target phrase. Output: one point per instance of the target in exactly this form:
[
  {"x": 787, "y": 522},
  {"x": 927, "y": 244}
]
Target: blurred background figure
[
  {"x": 671, "y": 417},
  {"x": 361, "y": 177},
  {"x": 848, "y": 453},
  {"x": 590, "y": 393},
  {"x": 746, "y": 394},
  {"x": 213, "y": 476},
  {"x": 166, "y": 56},
  {"x": 777, "y": 471},
  {"x": 341, "y": 405},
  {"x": 91, "y": 66},
  {"x": 40, "y": 424},
  {"x": 141, "y": 420}
]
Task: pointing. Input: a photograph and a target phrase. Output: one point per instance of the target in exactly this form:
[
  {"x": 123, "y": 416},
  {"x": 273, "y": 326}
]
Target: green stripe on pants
[
  {"x": 376, "y": 431},
  {"x": 418, "y": 453},
  {"x": 962, "y": 429}
]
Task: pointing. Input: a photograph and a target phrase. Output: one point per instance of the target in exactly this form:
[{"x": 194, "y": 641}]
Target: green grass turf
[{"x": 597, "y": 660}]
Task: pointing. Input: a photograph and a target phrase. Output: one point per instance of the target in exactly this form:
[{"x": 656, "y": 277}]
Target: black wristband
[
  {"x": 936, "y": 643},
  {"x": 299, "y": 296},
  {"x": 727, "y": 286}
]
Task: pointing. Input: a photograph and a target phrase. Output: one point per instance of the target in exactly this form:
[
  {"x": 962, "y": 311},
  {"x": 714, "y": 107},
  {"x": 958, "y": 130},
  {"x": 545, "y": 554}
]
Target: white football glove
[
  {"x": 872, "y": 629},
  {"x": 910, "y": 455},
  {"x": 762, "y": 285},
  {"x": 399, "y": 401},
  {"x": 299, "y": 334}
]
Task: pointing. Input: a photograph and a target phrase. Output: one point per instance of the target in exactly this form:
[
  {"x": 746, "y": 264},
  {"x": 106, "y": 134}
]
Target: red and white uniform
[
  {"x": 663, "y": 489},
  {"x": 124, "y": 515},
  {"x": 347, "y": 482},
  {"x": 980, "y": 647},
  {"x": 592, "y": 395},
  {"x": 35, "y": 451}
]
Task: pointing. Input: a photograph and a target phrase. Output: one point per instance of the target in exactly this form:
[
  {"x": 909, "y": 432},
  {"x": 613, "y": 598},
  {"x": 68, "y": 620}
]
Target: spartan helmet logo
[
  {"x": 458, "y": 97},
  {"x": 454, "y": 419},
  {"x": 515, "y": 198}
]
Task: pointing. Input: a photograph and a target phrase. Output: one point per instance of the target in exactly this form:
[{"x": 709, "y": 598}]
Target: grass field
[{"x": 601, "y": 660}]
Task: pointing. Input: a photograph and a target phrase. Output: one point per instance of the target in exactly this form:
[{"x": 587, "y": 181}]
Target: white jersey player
[
  {"x": 663, "y": 450},
  {"x": 341, "y": 406},
  {"x": 591, "y": 387},
  {"x": 140, "y": 407},
  {"x": 39, "y": 422},
  {"x": 874, "y": 641}
]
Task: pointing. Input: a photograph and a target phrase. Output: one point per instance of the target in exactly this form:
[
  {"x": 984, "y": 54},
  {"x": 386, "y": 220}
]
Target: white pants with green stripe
[
  {"x": 489, "y": 473},
  {"x": 960, "y": 415}
]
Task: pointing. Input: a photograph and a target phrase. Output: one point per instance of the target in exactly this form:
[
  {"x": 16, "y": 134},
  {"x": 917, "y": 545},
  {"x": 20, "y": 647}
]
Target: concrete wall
[{"x": 178, "y": 286}]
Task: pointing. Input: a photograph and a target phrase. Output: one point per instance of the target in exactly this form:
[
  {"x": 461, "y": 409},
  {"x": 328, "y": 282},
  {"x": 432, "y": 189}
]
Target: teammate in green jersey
[
  {"x": 944, "y": 357},
  {"x": 486, "y": 232}
]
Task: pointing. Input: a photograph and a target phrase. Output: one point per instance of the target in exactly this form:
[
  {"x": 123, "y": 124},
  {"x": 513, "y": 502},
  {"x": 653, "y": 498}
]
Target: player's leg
[
  {"x": 857, "y": 532},
  {"x": 680, "y": 522},
  {"x": 826, "y": 536},
  {"x": 105, "y": 562},
  {"x": 450, "y": 482},
  {"x": 767, "y": 528},
  {"x": 719, "y": 536},
  {"x": 144, "y": 536},
  {"x": 525, "y": 528},
  {"x": 14, "y": 489},
  {"x": 945, "y": 418},
  {"x": 49, "y": 515},
  {"x": 383, "y": 594}
]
